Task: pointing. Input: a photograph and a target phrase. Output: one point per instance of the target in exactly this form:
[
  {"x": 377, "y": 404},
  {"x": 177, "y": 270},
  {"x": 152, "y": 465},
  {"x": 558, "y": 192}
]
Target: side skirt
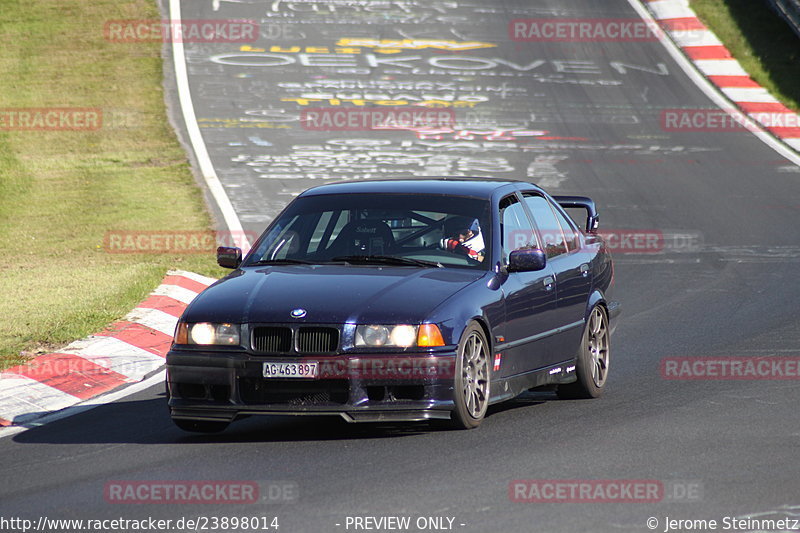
[{"x": 507, "y": 388}]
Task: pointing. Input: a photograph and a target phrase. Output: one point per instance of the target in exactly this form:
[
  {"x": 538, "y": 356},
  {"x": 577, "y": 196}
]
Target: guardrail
[{"x": 790, "y": 11}]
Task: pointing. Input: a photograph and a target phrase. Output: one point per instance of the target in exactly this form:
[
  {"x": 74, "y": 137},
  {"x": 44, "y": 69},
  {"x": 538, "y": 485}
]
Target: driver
[{"x": 466, "y": 238}]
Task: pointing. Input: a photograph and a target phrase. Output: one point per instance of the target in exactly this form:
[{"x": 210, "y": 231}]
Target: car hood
[{"x": 330, "y": 294}]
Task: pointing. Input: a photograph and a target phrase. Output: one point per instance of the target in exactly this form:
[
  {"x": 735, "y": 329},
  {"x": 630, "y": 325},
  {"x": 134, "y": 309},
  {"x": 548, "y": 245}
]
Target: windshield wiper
[
  {"x": 386, "y": 260},
  {"x": 280, "y": 262}
]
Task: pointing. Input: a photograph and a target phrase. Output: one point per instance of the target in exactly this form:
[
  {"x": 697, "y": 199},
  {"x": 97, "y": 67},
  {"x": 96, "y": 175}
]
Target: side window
[
  {"x": 570, "y": 235},
  {"x": 549, "y": 228},
  {"x": 517, "y": 230}
]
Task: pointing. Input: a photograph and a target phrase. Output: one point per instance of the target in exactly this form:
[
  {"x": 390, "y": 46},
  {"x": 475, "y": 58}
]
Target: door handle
[
  {"x": 548, "y": 283},
  {"x": 585, "y": 269}
]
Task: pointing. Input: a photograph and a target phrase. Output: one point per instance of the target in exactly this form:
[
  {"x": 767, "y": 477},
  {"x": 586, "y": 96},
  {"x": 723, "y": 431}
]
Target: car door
[
  {"x": 529, "y": 297},
  {"x": 571, "y": 269}
]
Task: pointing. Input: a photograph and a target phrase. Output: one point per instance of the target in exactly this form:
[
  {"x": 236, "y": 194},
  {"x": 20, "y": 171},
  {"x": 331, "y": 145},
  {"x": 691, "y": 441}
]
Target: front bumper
[{"x": 222, "y": 386}]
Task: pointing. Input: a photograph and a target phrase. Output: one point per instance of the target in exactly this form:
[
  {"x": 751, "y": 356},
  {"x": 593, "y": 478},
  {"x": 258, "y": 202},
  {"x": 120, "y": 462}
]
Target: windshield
[{"x": 421, "y": 230}]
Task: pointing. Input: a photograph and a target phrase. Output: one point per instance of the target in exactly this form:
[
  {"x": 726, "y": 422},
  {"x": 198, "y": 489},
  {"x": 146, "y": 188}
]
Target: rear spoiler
[{"x": 592, "y": 218}]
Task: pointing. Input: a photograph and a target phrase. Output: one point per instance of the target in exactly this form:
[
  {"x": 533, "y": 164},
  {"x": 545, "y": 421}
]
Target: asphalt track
[{"x": 730, "y": 289}]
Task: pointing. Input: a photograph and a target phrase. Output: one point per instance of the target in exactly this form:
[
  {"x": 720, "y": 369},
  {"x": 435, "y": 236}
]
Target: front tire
[
  {"x": 592, "y": 361},
  {"x": 471, "y": 382}
]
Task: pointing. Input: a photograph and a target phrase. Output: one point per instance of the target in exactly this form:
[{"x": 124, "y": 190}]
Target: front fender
[{"x": 477, "y": 302}]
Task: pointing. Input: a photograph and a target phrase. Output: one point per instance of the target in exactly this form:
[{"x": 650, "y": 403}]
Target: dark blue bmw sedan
[{"x": 400, "y": 300}]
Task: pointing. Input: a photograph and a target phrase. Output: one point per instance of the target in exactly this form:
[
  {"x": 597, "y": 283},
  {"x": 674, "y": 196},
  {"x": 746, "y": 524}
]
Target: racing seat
[{"x": 363, "y": 237}]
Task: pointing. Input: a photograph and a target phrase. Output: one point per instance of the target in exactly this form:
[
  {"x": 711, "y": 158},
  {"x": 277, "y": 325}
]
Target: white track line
[
  {"x": 196, "y": 138},
  {"x": 703, "y": 84}
]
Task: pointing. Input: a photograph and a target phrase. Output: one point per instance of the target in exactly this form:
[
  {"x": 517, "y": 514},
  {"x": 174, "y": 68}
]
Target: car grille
[
  {"x": 257, "y": 391},
  {"x": 317, "y": 340},
  {"x": 272, "y": 340},
  {"x": 281, "y": 340}
]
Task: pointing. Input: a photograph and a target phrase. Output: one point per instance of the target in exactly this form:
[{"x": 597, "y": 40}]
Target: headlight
[
  {"x": 403, "y": 335},
  {"x": 206, "y": 333},
  {"x": 398, "y": 336},
  {"x": 372, "y": 335}
]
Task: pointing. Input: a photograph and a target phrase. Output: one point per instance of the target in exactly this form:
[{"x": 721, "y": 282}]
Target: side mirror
[
  {"x": 528, "y": 260},
  {"x": 229, "y": 257},
  {"x": 582, "y": 202}
]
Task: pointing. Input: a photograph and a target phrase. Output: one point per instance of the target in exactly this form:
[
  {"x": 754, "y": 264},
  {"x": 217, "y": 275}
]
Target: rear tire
[
  {"x": 592, "y": 361},
  {"x": 471, "y": 381},
  {"x": 200, "y": 426}
]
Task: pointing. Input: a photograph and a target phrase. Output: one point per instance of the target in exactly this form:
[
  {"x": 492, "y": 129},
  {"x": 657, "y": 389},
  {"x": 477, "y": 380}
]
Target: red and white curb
[
  {"x": 715, "y": 62},
  {"x": 126, "y": 352}
]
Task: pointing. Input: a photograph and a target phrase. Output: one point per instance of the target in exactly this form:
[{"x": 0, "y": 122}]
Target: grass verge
[
  {"x": 762, "y": 42},
  {"x": 62, "y": 191}
]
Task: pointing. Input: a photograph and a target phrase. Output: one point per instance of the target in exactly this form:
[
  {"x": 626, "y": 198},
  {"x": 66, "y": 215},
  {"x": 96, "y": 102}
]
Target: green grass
[
  {"x": 763, "y": 43},
  {"x": 61, "y": 191}
]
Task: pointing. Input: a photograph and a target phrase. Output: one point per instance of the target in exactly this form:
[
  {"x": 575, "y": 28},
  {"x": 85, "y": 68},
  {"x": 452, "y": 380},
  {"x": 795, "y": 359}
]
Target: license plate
[{"x": 308, "y": 369}]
